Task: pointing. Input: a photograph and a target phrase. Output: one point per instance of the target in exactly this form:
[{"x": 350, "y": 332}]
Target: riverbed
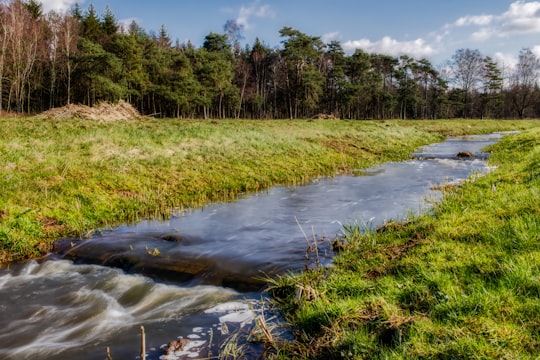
[{"x": 200, "y": 274}]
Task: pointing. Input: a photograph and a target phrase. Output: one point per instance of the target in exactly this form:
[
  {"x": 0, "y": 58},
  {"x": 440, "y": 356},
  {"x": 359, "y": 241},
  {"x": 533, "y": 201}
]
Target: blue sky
[{"x": 419, "y": 28}]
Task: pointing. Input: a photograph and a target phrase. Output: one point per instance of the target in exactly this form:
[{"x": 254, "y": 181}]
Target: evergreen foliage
[{"x": 50, "y": 60}]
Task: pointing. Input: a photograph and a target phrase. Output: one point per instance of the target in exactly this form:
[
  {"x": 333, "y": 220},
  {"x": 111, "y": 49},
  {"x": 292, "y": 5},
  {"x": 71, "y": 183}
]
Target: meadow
[
  {"x": 461, "y": 282},
  {"x": 64, "y": 178}
]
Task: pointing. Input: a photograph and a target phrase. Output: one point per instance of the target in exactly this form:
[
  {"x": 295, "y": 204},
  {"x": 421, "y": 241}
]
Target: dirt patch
[{"x": 101, "y": 112}]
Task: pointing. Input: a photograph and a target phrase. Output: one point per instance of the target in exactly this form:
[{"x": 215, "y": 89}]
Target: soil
[{"x": 101, "y": 112}]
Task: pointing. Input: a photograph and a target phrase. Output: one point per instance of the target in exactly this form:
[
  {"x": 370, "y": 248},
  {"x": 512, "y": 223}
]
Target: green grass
[
  {"x": 462, "y": 282},
  {"x": 70, "y": 177}
]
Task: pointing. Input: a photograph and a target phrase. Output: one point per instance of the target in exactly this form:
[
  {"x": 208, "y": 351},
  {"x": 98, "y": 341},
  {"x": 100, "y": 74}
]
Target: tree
[
  {"x": 214, "y": 71},
  {"x": 234, "y": 31},
  {"x": 157, "y": 65},
  {"x": 99, "y": 73},
  {"x": 261, "y": 60},
  {"x": 357, "y": 93},
  {"x": 163, "y": 40},
  {"x": 35, "y": 9},
  {"x": 491, "y": 97},
  {"x": 430, "y": 85},
  {"x": 467, "y": 67},
  {"x": 109, "y": 26},
  {"x": 524, "y": 84},
  {"x": 408, "y": 91},
  {"x": 133, "y": 76},
  {"x": 52, "y": 59},
  {"x": 76, "y": 12},
  {"x": 91, "y": 26},
  {"x": 6, "y": 38},
  {"x": 69, "y": 37},
  {"x": 24, "y": 48},
  {"x": 243, "y": 75},
  {"x": 385, "y": 99},
  {"x": 216, "y": 43},
  {"x": 303, "y": 55},
  {"x": 335, "y": 61},
  {"x": 185, "y": 86},
  {"x": 55, "y": 26}
]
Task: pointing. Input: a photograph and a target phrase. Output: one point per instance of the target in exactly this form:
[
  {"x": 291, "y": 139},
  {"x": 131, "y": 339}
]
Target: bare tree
[
  {"x": 24, "y": 46},
  {"x": 524, "y": 82},
  {"x": 69, "y": 37},
  {"x": 234, "y": 32},
  {"x": 55, "y": 27},
  {"x": 6, "y": 37},
  {"x": 467, "y": 67}
]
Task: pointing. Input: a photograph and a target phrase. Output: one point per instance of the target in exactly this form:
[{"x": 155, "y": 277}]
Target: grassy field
[
  {"x": 462, "y": 282},
  {"x": 71, "y": 177}
]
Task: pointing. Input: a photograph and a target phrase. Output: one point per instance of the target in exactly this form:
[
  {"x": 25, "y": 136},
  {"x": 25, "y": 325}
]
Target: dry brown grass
[{"x": 101, "y": 112}]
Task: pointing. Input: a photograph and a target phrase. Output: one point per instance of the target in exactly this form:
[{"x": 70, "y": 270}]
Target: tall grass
[{"x": 461, "y": 282}]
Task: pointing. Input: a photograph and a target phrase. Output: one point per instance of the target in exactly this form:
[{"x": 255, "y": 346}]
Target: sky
[{"x": 431, "y": 29}]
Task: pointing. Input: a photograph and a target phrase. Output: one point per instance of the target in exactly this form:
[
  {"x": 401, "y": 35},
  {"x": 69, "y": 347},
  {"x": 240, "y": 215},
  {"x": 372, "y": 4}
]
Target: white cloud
[
  {"x": 265, "y": 11},
  {"x": 522, "y": 17},
  {"x": 481, "y": 20},
  {"x": 418, "y": 48},
  {"x": 58, "y": 5},
  {"x": 327, "y": 38},
  {"x": 536, "y": 51},
  {"x": 507, "y": 62},
  {"x": 247, "y": 12},
  {"x": 483, "y": 34}
]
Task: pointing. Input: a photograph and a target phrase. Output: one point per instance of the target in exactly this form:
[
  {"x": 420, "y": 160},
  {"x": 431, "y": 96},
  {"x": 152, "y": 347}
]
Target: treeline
[{"x": 50, "y": 60}]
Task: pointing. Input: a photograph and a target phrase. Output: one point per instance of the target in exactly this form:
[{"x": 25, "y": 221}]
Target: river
[{"x": 197, "y": 276}]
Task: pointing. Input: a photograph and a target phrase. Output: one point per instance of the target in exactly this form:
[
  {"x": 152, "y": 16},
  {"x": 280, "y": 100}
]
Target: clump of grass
[{"x": 460, "y": 282}]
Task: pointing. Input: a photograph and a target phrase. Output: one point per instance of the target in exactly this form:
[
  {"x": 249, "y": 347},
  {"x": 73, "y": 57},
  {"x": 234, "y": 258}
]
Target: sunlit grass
[
  {"x": 70, "y": 177},
  {"x": 461, "y": 282}
]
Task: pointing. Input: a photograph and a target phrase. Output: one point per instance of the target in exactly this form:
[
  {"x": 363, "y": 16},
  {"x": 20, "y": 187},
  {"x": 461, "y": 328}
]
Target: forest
[{"x": 50, "y": 60}]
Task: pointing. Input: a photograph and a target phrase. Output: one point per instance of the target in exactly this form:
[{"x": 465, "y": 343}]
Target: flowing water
[{"x": 198, "y": 275}]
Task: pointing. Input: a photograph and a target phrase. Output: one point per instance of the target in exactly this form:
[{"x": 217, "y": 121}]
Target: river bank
[
  {"x": 70, "y": 177},
  {"x": 460, "y": 282}
]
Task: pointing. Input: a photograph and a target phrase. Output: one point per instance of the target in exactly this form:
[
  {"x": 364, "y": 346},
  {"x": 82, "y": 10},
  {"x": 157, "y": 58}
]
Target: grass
[
  {"x": 70, "y": 177},
  {"x": 460, "y": 282}
]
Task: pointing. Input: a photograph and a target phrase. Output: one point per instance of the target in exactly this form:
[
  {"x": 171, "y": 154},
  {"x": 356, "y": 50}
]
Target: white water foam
[{"x": 49, "y": 308}]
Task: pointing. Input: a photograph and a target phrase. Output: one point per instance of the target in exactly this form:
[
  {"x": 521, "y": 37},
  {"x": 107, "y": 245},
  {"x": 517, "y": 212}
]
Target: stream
[{"x": 198, "y": 277}]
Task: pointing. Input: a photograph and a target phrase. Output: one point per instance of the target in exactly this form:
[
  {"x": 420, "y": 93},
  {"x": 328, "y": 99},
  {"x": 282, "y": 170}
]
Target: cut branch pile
[{"x": 101, "y": 112}]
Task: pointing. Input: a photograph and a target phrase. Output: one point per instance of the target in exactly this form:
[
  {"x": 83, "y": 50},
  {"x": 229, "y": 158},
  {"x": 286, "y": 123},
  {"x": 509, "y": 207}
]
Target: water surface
[{"x": 164, "y": 275}]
